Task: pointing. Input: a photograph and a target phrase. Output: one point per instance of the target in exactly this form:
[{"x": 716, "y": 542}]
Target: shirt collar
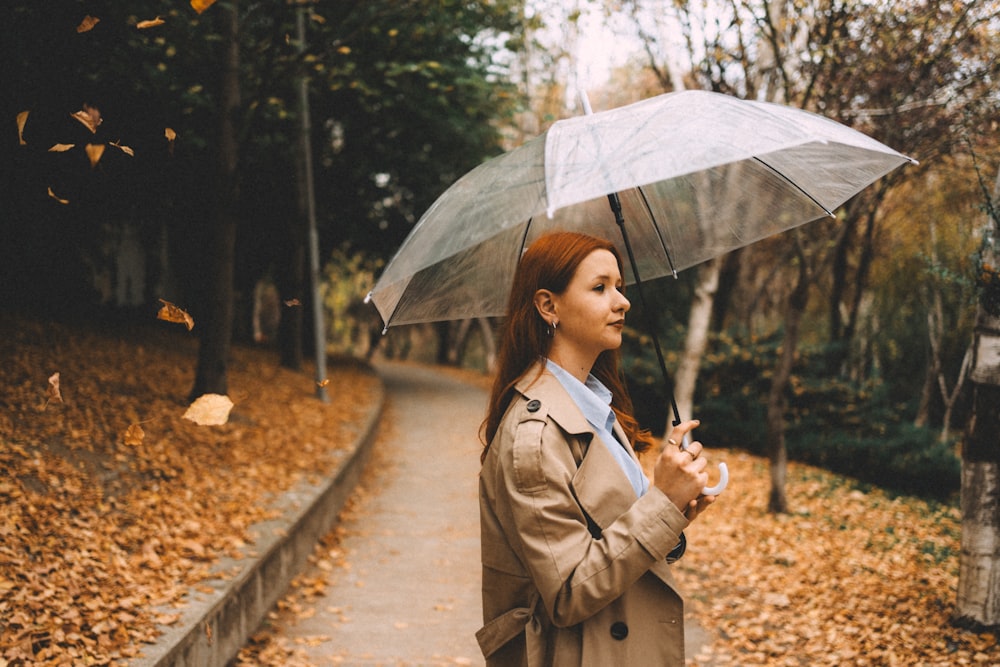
[{"x": 592, "y": 397}]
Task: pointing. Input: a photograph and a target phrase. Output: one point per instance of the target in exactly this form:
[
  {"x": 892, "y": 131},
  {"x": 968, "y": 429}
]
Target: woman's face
[{"x": 591, "y": 312}]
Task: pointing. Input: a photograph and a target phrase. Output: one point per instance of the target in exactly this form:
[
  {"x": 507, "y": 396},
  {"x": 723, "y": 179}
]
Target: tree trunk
[
  {"x": 216, "y": 335},
  {"x": 930, "y": 376},
  {"x": 838, "y": 287},
  {"x": 978, "y": 603},
  {"x": 776, "y": 451},
  {"x": 978, "y": 600},
  {"x": 696, "y": 340},
  {"x": 728, "y": 277},
  {"x": 489, "y": 343}
]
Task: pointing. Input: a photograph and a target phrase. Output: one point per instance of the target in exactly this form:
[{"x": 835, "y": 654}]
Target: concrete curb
[{"x": 215, "y": 625}]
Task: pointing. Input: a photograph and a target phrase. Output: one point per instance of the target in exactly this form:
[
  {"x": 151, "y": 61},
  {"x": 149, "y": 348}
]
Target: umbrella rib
[
  {"x": 656, "y": 228},
  {"x": 794, "y": 185},
  {"x": 524, "y": 239}
]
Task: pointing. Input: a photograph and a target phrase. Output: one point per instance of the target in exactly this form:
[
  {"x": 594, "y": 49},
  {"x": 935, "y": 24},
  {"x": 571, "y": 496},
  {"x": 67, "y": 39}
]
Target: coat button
[
  {"x": 533, "y": 405},
  {"x": 619, "y": 631}
]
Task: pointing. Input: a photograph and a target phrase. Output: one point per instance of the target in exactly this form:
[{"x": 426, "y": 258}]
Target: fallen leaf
[
  {"x": 60, "y": 148},
  {"x": 22, "y": 118},
  {"x": 58, "y": 199},
  {"x": 89, "y": 116},
  {"x": 201, "y": 5},
  {"x": 171, "y": 313},
  {"x": 134, "y": 435},
  {"x": 115, "y": 528},
  {"x": 94, "y": 153},
  {"x": 166, "y": 619},
  {"x": 53, "y": 389},
  {"x": 88, "y": 23},
  {"x": 209, "y": 410},
  {"x": 152, "y": 23}
]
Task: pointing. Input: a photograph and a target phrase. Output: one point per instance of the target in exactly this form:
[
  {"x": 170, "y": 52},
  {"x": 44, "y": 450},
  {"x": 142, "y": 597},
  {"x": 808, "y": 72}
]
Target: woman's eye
[{"x": 598, "y": 288}]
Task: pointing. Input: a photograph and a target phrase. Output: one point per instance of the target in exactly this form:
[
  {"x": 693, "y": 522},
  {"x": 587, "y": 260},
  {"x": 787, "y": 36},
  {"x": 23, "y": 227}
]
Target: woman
[{"x": 576, "y": 541}]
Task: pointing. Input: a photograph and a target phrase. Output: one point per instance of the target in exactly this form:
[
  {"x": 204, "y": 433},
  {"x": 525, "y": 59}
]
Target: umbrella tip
[
  {"x": 368, "y": 297},
  {"x": 585, "y": 101}
]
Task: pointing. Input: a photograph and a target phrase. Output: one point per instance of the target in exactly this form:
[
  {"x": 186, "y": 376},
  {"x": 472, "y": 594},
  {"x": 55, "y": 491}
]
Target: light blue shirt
[{"x": 594, "y": 401}]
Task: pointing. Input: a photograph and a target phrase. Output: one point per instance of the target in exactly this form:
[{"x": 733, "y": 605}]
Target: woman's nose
[{"x": 624, "y": 305}]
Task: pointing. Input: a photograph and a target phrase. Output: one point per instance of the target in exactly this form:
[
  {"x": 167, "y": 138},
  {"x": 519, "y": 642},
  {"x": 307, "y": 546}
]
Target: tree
[
  {"x": 407, "y": 97},
  {"x": 213, "y": 352},
  {"x": 978, "y": 601},
  {"x": 902, "y": 74}
]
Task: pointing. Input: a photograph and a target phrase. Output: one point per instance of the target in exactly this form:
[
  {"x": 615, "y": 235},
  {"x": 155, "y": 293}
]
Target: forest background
[{"x": 154, "y": 152}]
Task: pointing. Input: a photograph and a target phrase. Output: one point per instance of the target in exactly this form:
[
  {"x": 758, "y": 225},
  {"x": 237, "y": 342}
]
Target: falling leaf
[
  {"x": 134, "y": 435},
  {"x": 87, "y": 24},
  {"x": 22, "y": 118},
  {"x": 94, "y": 153},
  {"x": 209, "y": 410},
  {"x": 201, "y": 5},
  {"x": 124, "y": 149},
  {"x": 58, "y": 199},
  {"x": 171, "y": 313},
  {"x": 60, "y": 148},
  {"x": 170, "y": 135},
  {"x": 89, "y": 116},
  {"x": 143, "y": 25},
  {"x": 323, "y": 383},
  {"x": 53, "y": 389},
  {"x": 293, "y": 302}
]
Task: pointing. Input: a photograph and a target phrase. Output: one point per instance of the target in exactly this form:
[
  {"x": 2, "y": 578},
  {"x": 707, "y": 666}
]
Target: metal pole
[{"x": 319, "y": 331}]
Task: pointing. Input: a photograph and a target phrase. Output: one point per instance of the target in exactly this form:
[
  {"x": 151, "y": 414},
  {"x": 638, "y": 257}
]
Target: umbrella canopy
[{"x": 698, "y": 174}]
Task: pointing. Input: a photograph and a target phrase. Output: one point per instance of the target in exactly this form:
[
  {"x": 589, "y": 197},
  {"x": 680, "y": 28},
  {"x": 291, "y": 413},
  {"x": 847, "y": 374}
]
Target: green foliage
[
  {"x": 348, "y": 276},
  {"x": 404, "y": 98},
  {"x": 862, "y": 430}
]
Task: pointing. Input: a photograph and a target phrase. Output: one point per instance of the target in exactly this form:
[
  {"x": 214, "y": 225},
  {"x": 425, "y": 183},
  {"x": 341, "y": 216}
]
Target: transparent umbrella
[{"x": 689, "y": 176}]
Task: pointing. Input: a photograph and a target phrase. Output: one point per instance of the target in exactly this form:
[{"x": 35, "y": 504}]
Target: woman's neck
[{"x": 576, "y": 364}]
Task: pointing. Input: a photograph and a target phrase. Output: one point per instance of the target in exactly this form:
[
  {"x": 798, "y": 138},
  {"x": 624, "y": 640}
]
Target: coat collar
[{"x": 539, "y": 384}]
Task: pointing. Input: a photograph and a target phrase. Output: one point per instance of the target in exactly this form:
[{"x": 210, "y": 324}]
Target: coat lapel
[{"x": 601, "y": 486}]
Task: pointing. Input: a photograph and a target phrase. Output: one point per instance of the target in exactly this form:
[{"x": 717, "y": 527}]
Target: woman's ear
[{"x": 545, "y": 305}]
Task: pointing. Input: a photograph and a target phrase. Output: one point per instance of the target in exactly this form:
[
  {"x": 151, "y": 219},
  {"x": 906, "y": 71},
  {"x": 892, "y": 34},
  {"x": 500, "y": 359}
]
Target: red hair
[{"x": 549, "y": 263}]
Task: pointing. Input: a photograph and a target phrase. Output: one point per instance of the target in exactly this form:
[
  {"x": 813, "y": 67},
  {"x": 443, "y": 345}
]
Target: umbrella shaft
[{"x": 616, "y": 208}]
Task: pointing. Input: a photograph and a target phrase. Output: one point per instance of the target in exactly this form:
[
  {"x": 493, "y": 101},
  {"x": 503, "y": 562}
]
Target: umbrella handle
[
  {"x": 723, "y": 473},
  {"x": 721, "y": 486}
]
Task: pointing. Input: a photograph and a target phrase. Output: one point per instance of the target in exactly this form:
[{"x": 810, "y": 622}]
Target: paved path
[
  {"x": 405, "y": 591},
  {"x": 410, "y": 592}
]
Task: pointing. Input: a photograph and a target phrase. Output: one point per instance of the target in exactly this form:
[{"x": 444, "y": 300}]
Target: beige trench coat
[{"x": 574, "y": 566}]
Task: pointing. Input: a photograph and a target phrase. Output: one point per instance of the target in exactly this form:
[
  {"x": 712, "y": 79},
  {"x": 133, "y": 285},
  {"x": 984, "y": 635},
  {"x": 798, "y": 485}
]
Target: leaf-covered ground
[
  {"x": 99, "y": 537},
  {"x": 849, "y": 577},
  {"x": 95, "y": 533}
]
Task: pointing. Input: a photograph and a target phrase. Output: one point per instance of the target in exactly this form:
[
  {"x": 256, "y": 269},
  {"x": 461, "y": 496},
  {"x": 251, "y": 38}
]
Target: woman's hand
[{"x": 680, "y": 474}]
